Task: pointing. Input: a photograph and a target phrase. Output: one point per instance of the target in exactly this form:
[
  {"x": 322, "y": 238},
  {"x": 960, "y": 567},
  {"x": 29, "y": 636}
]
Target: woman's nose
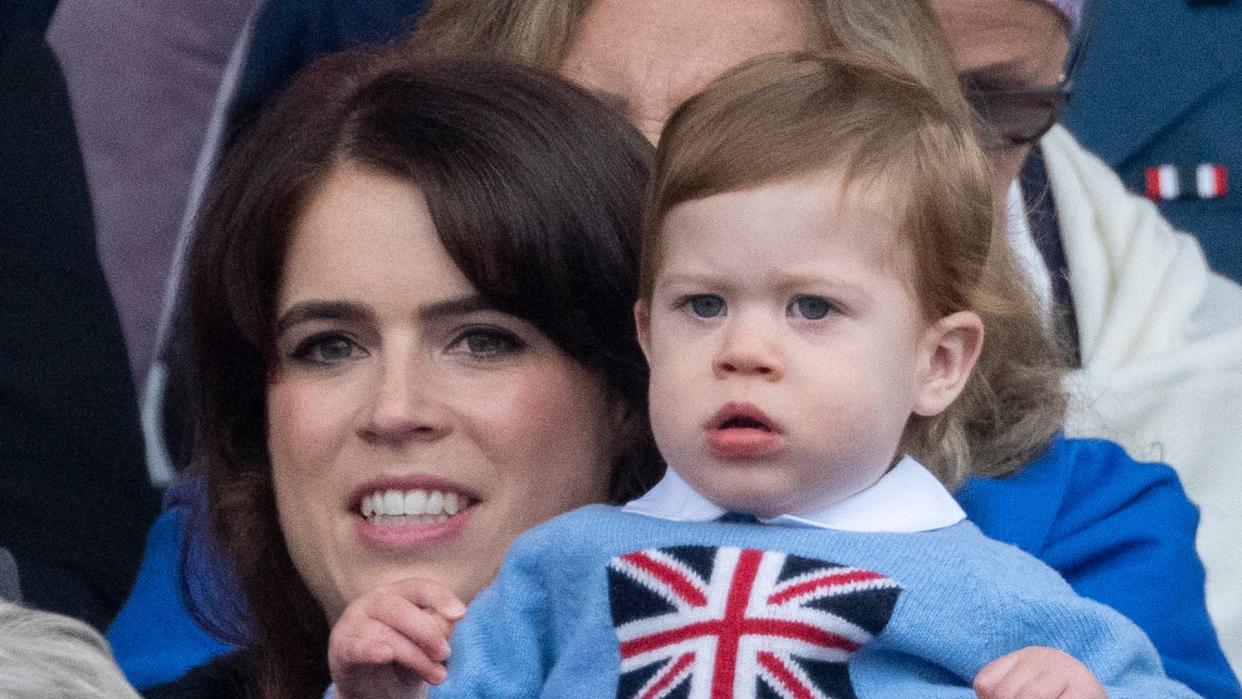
[
  {"x": 404, "y": 408},
  {"x": 747, "y": 351}
]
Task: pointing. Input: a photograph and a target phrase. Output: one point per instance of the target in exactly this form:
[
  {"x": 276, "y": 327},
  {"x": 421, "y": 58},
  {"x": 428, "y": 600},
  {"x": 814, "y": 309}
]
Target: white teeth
[
  {"x": 412, "y": 506},
  {"x": 415, "y": 502},
  {"x": 394, "y": 502}
]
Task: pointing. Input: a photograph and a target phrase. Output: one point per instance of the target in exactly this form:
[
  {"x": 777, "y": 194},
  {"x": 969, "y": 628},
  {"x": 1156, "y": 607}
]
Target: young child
[{"x": 813, "y": 284}]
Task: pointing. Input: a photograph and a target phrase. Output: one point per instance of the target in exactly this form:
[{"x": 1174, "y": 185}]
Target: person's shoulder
[
  {"x": 1075, "y": 481},
  {"x": 587, "y": 516},
  {"x": 1102, "y": 469},
  {"x": 992, "y": 558},
  {"x": 577, "y": 529}
]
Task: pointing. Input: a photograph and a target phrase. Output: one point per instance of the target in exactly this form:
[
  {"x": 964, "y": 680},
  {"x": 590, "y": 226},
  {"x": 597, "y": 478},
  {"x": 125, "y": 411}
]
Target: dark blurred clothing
[
  {"x": 289, "y": 34},
  {"x": 142, "y": 76},
  {"x": 75, "y": 501},
  {"x": 1161, "y": 84},
  {"x": 19, "y": 17}
]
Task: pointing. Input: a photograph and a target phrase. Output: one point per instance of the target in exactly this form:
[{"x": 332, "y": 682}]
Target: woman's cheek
[{"x": 305, "y": 421}]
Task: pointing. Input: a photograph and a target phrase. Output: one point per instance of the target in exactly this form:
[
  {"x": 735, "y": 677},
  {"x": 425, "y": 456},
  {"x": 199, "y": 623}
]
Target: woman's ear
[
  {"x": 951, "y": 348},
  {"x": 642, "y": 321}
]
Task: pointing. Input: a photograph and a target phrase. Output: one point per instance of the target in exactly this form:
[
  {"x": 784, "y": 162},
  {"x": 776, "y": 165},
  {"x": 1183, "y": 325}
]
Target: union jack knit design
[{"x": 701, "y": 622}]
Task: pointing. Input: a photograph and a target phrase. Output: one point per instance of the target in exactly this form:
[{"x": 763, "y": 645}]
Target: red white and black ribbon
[{"x": 1206, "y": 181}]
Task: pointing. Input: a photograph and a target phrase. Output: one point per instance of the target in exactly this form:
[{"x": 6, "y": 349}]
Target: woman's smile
[{"x": 403, "y": 512}]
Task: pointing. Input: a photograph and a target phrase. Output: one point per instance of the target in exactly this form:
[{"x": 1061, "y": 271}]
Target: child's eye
[
  {"x": 487, "y": 342},
  {"x": 327, "y": 348},
  {"x": 810, "y": 307},
  {"x": 705, "y": 305}
]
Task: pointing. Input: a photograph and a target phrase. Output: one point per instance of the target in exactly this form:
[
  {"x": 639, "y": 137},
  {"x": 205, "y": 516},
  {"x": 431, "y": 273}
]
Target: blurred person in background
[
  {"x": 50, "y": 656},
  {"x": 75, "y": 501},
  {"x": 1158, "y": 96}
]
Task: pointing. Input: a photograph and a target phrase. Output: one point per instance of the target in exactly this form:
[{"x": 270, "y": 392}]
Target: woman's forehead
[{"x": 1019, "y": 43}]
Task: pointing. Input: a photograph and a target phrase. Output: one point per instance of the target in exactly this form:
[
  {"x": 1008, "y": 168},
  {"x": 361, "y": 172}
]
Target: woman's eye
[
  {"x": 810, "y": 307},
  {"x": 488, "y": 342},
  {"x": 326, "y": 348},
  {"x": 706, "y": 305}
]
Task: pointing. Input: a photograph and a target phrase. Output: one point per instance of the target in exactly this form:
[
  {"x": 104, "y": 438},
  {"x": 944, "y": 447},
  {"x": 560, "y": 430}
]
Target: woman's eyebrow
[
  {"x": 359, "y": 313},
  {"x": 323, "y": 310},
  {"x": 456, "y": 306}
]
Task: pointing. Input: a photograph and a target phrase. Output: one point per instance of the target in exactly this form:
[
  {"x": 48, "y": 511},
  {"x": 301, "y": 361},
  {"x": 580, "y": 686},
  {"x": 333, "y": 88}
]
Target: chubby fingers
[
  {"x": 1037, "y": 673},
  {"x": 368, "y": 645},
  {"x": 430, "y": 595},
  {"x": 405, "y": 623}
]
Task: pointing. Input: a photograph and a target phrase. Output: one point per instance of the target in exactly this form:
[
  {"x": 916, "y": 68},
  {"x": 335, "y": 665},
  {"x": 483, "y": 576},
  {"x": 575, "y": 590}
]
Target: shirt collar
[{"x": 906, "y": 499}]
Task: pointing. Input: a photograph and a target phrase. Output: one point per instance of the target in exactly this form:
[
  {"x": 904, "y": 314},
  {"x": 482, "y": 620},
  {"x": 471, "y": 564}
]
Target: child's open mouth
[{"x": 741, "y": 431}]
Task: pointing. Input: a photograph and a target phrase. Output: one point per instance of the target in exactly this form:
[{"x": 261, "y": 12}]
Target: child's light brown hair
[{"x": 779, "y": 117}]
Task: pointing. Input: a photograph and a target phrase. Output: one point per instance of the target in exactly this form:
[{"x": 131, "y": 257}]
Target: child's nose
[{"x": 747, "y": 354}]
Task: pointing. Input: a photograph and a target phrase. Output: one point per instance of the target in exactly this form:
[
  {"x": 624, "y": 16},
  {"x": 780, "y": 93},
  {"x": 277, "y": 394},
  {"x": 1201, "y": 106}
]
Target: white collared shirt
[{"x": 906, "y": 499}]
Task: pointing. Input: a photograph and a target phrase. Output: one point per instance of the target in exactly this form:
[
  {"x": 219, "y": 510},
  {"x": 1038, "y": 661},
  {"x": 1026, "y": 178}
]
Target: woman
[{"x": 411, "y": 330}]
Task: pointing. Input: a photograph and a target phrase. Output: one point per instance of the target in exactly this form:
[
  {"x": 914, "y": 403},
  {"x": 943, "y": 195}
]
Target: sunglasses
[{"x": 1009, "y": 118}]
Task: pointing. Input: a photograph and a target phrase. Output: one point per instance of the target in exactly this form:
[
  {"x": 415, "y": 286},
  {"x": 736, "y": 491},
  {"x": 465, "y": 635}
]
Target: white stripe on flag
[
  {"x": 1205, "y": 180},
  {"x": 1168, "y": 182}
]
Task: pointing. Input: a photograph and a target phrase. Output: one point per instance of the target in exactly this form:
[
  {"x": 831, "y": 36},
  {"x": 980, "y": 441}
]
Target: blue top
[
  {"x": 1085, "y": 508},
  {"x": 600, "y": 601},
  {"x": 1120, "y": 532}
]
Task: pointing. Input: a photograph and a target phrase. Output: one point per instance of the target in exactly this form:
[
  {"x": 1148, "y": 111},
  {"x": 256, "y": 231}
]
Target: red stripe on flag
[
  {"x": 669, "y": 576},
  {"x": 792, "y": 684},
  {"x": 1221, "y": 175},
  {"x": 732, "y": 626},
  {"x": 670, "y": 676},
  {"x": 853, "y": 576},
  {"x": 1153, "y": 182}
]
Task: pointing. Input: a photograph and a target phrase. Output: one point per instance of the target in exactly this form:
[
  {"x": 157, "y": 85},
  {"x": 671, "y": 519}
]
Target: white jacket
[{"x": 1161, "y": 344}]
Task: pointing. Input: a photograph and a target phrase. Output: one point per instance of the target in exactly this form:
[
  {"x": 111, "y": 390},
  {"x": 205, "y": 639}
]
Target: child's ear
[
  {"x": 951, "y": 347},
  {"x": 642, "y": 320}
]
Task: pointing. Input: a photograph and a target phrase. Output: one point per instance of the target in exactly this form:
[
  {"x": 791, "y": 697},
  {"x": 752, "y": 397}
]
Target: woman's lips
[
  {"x": 742, "y": 431},
  {"x": 395, "y": 535},
  {"x": 399, "y": 512}
]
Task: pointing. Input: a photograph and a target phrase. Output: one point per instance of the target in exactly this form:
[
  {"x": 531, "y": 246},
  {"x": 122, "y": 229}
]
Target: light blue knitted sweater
[{"x": 737, "y": 610}]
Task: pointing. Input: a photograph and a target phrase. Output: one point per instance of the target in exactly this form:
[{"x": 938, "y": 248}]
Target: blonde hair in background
[
  {"x": 49, "y": 656},
  {"x": 1017, "y": 400},
  {"x": 532, "y": 31},
  {"x": 904, "y": 32}
]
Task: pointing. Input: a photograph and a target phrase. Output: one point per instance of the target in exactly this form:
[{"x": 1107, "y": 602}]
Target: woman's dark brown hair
[{"x": 535, "y": 191}]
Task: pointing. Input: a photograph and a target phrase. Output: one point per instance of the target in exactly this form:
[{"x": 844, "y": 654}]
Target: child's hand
[
  {"x": 1037, "y": 673},
  {"x": 391, "y": 639}
]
